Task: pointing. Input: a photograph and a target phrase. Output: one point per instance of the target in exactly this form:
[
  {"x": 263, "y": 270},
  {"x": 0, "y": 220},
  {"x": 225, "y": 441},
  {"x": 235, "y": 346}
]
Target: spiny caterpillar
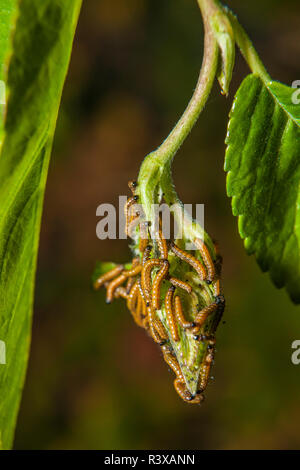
[{"x": 175, "y": 296}]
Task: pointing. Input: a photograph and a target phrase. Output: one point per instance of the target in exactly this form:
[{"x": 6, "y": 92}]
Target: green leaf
[
  {"x": 40, "y": 54},
  {"x": 263, "y": 165}
]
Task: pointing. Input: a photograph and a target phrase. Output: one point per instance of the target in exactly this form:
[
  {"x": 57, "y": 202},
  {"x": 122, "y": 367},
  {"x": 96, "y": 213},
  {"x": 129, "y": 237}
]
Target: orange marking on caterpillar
[
  {"x": 143, "y": 243},
  {"x": 108, "y": 276},
  {"x": 160, "y": 329},
  {"x": 160, "y": 276},
  {"x": 132, "y": 297},
  {"x": 186, "y": 396},
  {"x": 154, "y": 326},
  {"x": 205, "y": 254},
  {"x": 130, "y": 201},
  {"x": 190, "y": 259},
  {"x": 120, "y": 292},
  {"x": 170, "y": 313},
  {"x": 217, "y": 288},
  {"x": 182, "y": 284},
  {"x": 144, "y": 239},
  {"x": 205, "y": 370},
  {"x": 112, "y": 287},
  {"x": 146, "y": 254},
  {"x": 129, "y": 284},
  {"x": 180, "y": 315},
  {"x": 173, "y": 364},
  {"x": 133, "y": 271},
  {"x": 203, "y": 314},
  {"x": 145, "y": 313},
  {"x": 139, "y": 311},
  {"x": 146, "y": 276},
  {"x": 131, "y": 280},
  {"x": 162, "y": 244}
]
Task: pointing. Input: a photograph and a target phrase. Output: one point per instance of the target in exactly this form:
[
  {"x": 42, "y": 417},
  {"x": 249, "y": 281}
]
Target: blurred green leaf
[
  {"x": 263, "y": 165},
  {"x": 40, "y": 55}
]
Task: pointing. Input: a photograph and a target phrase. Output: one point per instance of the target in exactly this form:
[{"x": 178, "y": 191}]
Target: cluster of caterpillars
[{"x": 141, "y": 285}]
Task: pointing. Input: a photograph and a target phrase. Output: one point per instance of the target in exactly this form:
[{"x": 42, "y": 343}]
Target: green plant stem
[
  {"x": 155, "y": 173},
  {"x": 155, "y": 178}
]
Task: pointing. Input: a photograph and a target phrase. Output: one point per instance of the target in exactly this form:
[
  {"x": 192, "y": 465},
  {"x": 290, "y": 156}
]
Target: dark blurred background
[{"x": 95, "y": 380}]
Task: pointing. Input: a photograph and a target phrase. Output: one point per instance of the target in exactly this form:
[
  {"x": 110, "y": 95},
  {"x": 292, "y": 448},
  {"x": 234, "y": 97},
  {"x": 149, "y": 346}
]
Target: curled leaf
[{"x": 223, "y": 32}]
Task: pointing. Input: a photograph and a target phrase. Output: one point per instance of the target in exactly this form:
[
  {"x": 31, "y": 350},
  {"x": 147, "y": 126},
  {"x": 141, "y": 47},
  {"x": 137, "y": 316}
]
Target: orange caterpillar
[
  {"x": 170, "y": 313},
  {"x": 209, "y": 264},
  {"x": 161, "y": 275},
  {"x": 190, "y": 259},
  {"x": 180, "y": 315},
  {"x": 182, "y": 284}
]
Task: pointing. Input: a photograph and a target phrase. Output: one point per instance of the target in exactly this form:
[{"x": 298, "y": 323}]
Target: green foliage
[
  {"x": 263, "y": 165},
  {"x": 40, "y": 53}
]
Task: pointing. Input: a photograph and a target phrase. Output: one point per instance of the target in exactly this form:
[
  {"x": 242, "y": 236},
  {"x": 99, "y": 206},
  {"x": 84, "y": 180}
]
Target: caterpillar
[
  {"x": 160, "y": 329},
  {"x": 132, "y": 297},
  {"x": 156, "y": 327},
  {"x": 217, "y": 288},
  {"x": 173, "y": 363},
  {"x": 133, "y": 271},
  {"x": 182, "y": 284},
  {"x": 162, "y": 244},
  {"x": 205, "y": 371},
  {"x": 170, "y": 313},
  {"x": 179, "y": 383},
  {"x": 146, "y": 276},
  {"x": 132, "y": 186},
  {"x": 112, "y": 287},
  {"x": 180, "y": 315},
  {"x": 139, "y": 311},
  {"x": 144, "y": 239},
  {"x": 128, "y": 220},
  {"x": 146, "y": 254},
  {"x": 186, "y": 396},
  {"x": 203, "y": 314},
  {"x": 160, "y": 276},
  {"x": 142, "y": 295},
  {"x": 196, "y": 264},
  {"x": 209, "y": 264},
  {"x": 120, "y": 292},
  {"x": 129, "y": 284},
  {"x": 108, "y": 276}
]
